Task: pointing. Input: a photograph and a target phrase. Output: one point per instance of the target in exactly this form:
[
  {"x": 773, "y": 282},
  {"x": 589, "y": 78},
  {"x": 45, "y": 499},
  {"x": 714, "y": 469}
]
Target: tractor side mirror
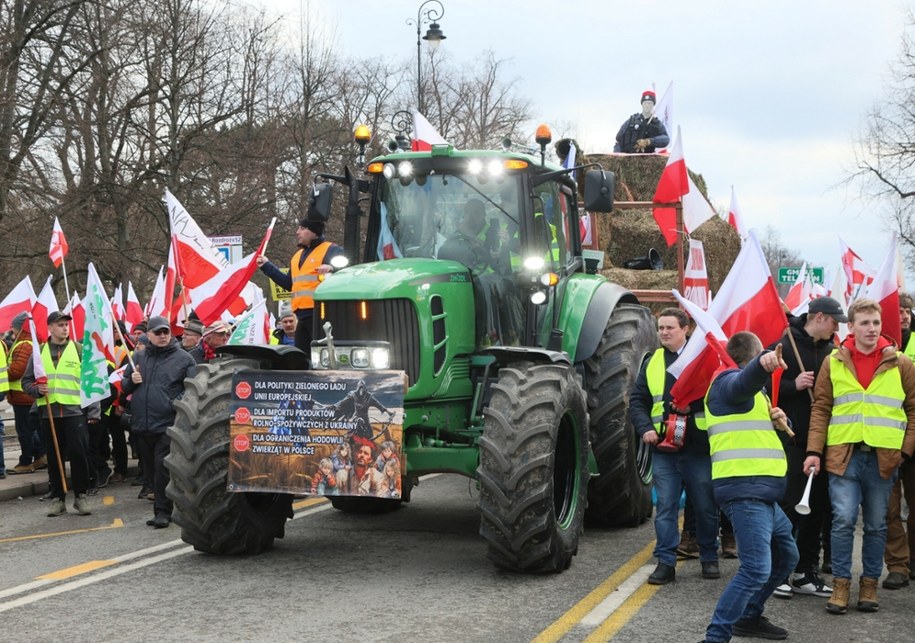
[
  {"x": 599, "y": 186},
  {"x": 319, "y": 202}
]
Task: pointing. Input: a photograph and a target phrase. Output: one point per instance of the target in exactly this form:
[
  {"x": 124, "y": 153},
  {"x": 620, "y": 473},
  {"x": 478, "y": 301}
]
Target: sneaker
[
  {"x": 41, "y": 463},
  {"x": 47, "y": 496},
  {"x": 895, "y": 580},
  {"x": 57, "y": 508},
  {"x": 117, "y": 478},
  {"x": 22, "y": 468},
  {"x": 81, "y": 504},
  {"x": 811, "y": 584},
  {"x": 145, "y": 492},
  {"x": 104, "y": 476},
  {"x": 783, "y": 591},
  {"x": 760, "y": 628}
]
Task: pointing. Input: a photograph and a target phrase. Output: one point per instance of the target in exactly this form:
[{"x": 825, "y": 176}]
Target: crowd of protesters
[{"x": 849, "y": 410}]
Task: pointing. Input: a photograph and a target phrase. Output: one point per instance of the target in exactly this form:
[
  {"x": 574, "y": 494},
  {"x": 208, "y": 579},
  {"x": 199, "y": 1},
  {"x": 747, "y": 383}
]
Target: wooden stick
[
  {"x": 797, "y": 356},
  {"x": 60, "y": 462}
]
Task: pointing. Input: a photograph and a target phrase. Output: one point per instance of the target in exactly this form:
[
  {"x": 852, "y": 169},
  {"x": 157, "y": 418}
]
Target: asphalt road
[{"x": 419, "y": 574}]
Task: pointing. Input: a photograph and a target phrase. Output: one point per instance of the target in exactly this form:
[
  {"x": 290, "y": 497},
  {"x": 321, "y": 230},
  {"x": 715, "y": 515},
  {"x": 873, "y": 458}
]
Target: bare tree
[{"x": 885, "y": 150}]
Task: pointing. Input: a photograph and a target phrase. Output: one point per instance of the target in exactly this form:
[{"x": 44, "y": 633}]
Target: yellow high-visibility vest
[
  {"x": 910, "y": 347},
  {"x": 63, "y": 379},
  {"x": 745, "y": 444},
  {"x": 16, "y": 385},
  {"x": 4, "y": 369},
  {"x": 874, "y": 416},
  {"x": 305, "y": 276},
  {"x": 655, "y": 374}
]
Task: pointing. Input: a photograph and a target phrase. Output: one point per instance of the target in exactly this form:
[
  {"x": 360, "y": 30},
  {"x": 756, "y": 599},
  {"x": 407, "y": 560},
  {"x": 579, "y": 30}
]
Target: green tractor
[{"x": 519, "y": 358}]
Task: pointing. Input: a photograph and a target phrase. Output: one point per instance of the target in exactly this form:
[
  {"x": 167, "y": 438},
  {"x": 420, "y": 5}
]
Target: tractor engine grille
[{"x": 390, "y": 320}]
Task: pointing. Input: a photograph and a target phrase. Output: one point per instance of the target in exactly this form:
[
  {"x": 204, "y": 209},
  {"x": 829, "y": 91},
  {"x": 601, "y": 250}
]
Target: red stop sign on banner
[
  {"x": 242, "y": 415},
  {"x": 241, "y": 442},
  {"x": 243, "y": 390}
]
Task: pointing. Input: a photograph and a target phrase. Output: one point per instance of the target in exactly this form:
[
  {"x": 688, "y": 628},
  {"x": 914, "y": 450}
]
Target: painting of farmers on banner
[{"x": 329, "y": 434}]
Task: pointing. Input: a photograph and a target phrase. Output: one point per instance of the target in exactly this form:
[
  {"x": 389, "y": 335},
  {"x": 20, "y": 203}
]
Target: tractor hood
[{"x": 391, "y": 278}]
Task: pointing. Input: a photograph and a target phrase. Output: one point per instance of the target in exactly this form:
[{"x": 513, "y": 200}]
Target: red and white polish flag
[
  {"x": 674, "y": 183},
  {"x": 424, "y": 135},
  {"x": 858, "y": 275},
  {"x": 20, "y": 299},
  {"x": 59, "y": 247},
  {"x": 44, "y": 306},
  {"x": 735, "y": 218},
  {"x": 885, "y": 290},
  {"x": 133, "y": 312},
  {"x": 747, "y": 301}
]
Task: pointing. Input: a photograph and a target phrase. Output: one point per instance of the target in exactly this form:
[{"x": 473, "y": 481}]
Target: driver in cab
[{"x": 468, "y": 245}]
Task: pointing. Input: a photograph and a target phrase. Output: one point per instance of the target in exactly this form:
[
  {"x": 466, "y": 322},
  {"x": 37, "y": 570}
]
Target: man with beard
[{"x": 363, "y": 479}]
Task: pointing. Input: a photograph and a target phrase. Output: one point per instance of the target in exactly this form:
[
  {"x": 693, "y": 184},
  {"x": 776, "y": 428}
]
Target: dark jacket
[
  {"x": 636, "y": 127},
  {"x": 733, "y": 392},
  {"x": 284, "y": 279},
  {"x": 640, "y": 404},
  {"x": 163, "y": 370},
  {"x": 796, "y": 404}
]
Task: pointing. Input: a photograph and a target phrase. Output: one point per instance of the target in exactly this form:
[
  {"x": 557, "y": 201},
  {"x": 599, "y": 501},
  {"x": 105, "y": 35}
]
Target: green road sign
[{"x": 789, "y": 275}]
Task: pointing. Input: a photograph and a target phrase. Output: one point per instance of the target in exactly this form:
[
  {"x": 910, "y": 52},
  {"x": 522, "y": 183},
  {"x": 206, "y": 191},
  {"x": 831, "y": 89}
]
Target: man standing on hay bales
[{"x": 642, "y": 132}]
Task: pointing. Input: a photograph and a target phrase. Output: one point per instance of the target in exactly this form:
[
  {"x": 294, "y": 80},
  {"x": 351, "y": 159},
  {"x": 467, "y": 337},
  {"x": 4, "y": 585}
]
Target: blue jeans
[
  {"x": 767, "y": 554},
  {"x": 2, "y": 461},
  {"x": 861, "y": 485},
  {"x": 28, "y": 434},
  {"x": 671, "y": 471}
]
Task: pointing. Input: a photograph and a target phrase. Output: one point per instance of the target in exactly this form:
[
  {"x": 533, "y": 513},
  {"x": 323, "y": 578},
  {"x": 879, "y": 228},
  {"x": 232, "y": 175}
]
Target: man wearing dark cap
[
  {"x": 810, "y": 340},
  {"x": 307, "y": 268},
  {"x": 59, "y": 396},
  {"x": 643, "y": 132},
  {"x": 155, "y": 381},
  {"x": 193, "y": 331}
]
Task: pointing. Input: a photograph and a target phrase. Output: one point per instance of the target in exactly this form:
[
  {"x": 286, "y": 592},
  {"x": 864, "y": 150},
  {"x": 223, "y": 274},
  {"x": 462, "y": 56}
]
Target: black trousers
[
  {"x": 807, "y": 529},
  {"x": 303, "y": 331},
  {"x": 73, "y": 441},
  {"x": 118, "y": 442},
  {"x": 153, "y": 448}
]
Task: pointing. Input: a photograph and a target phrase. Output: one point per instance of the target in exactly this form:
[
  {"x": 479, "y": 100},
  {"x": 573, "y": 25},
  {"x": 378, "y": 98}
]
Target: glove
[{"x": 642, "y": 144}]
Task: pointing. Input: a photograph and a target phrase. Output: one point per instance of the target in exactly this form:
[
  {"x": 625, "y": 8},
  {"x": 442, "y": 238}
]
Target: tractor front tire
[
  {"x": 211, "y": 518},
  {"x": 533, "y": 468},
  {"x": 621, "y": 495}
]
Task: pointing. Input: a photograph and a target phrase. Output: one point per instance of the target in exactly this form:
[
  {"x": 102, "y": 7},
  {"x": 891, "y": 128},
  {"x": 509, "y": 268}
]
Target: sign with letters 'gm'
[{"x": 789, "y": 275}]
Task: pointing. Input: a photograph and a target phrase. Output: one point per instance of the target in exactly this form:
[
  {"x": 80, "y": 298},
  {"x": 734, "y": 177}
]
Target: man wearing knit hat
[
  {"x": 643, "y": 132},
  {"x": 307, "y": 268}
]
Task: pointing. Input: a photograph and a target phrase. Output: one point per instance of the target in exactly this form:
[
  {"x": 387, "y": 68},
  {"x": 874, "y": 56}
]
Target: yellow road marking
[
  {"x": 76, "y": 570},
  {"x": 630, "y": 607},
  {"x": 108, "y": 501},
  {"x": 308, "y": 502},
  {"x": 567, "y": 621},
  {"x": 116, "y": 524}
]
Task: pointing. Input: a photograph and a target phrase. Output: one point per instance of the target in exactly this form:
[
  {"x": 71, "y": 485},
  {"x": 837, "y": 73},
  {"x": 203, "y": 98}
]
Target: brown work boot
[
  {"x": 867, "y": 595},
  {"x": 689, "y": 546},
  {"x": 41, "y": 463},
  {"x": 22, "y": 468},
  {"x": 728, "y": 546},
  {"x": 838, "y": 602}
]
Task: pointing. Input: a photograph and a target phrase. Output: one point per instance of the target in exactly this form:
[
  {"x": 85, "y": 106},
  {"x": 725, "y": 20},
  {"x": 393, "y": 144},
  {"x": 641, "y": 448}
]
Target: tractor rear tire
[
  {"x": 533, "y": 468},
  {"x": 211, "y": 518},
  {"x": 621, "y": 495}
]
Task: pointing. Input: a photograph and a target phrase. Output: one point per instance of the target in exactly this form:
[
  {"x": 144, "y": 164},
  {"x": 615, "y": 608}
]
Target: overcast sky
[{"x": 770, "y": 96}]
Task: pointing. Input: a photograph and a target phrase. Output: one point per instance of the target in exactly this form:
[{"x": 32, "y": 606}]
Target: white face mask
[{"x": 647, "y": 108}]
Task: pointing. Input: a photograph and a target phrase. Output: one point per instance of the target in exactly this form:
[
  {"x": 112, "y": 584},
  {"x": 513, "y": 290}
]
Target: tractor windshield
[{"x": 422, "y": 215}]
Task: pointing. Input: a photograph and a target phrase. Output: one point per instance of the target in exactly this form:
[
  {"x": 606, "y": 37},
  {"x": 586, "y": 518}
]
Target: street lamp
[{"x": 434, "y": 37}]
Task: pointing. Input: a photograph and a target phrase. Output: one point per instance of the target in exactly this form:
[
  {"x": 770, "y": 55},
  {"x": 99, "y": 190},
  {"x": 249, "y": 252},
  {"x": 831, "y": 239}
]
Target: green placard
[{"x": 789, "y": 275}]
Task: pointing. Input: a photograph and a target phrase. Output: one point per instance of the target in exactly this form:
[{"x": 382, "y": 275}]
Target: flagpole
[
  {"x": 60, "y": 463},
  {"x": 681, "y": 263},
  {"x": 63, "y": 267}
]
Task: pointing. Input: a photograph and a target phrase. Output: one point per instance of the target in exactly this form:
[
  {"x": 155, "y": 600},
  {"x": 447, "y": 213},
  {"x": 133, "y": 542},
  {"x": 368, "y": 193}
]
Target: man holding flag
[
  {"x": 307, "y": 268},
  {"x": 748, "y": 476},
  {"x": 53, "y": 378}
]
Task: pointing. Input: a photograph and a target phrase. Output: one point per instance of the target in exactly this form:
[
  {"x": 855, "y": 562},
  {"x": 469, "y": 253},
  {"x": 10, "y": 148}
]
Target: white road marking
[{"x": 609, "y": 605}]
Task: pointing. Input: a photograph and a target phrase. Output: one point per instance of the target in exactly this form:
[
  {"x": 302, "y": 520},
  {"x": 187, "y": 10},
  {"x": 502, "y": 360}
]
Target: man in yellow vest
[
  {"x": 307, "y": 268},
  {"x": 748, "y": 477},
  {"x": 59, "y": 395},
  {"x": 906, "y": 303},
  {"x": 863, "y": 418},
  {"x": 649, "y": 409}
]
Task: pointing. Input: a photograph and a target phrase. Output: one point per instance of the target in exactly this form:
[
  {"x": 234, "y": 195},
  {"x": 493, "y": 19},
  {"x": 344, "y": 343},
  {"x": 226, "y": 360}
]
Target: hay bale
[{"x": 629, "y": 234}]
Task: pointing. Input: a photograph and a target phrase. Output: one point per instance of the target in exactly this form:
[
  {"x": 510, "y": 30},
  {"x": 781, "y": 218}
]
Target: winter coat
[
  {"x": 164, "y": 371},
  {"x": 838, "y": 455},
  {"x": 796, "y": 403}
]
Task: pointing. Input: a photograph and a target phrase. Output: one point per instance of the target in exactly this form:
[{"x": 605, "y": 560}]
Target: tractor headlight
[
  {"x": 360, "y": 358},
  {"x": 538, "y": 297},
  {"x": 381, "y": 358}
]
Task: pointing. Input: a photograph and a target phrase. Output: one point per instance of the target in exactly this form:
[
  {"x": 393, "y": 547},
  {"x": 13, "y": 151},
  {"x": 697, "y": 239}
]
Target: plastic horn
[{"x": 803, "y": 507}]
